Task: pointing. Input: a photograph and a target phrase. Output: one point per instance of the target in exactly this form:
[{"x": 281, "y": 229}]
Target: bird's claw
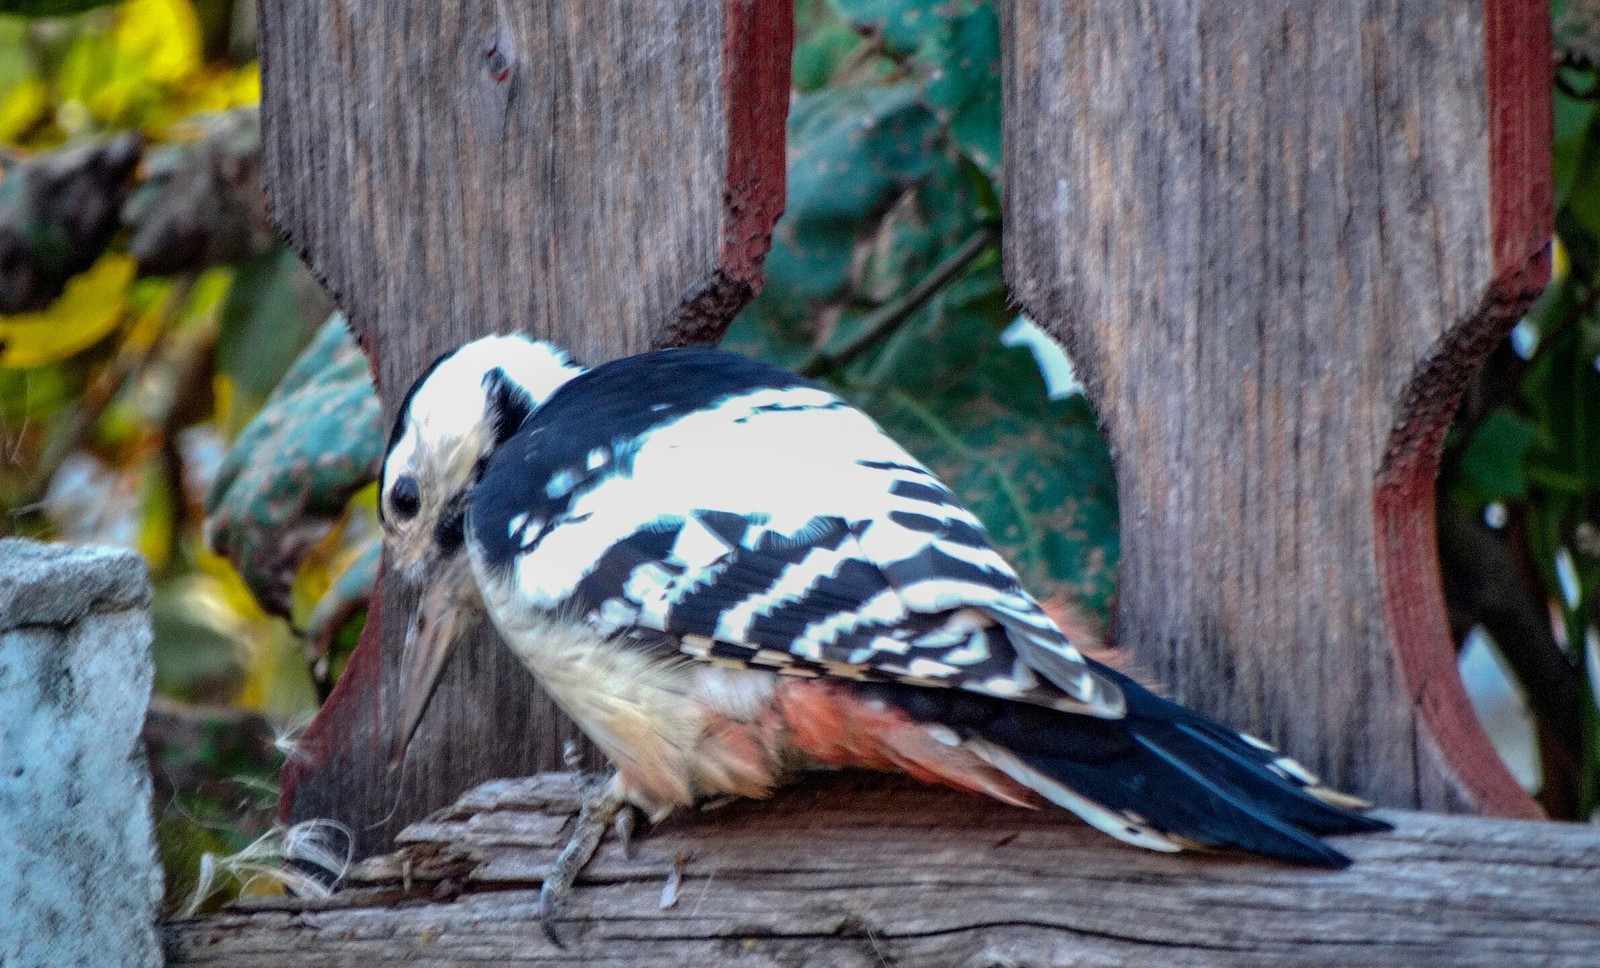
[
  {"x": 601, "y": 804},
  {"x": 549, "y": 909},
  {"x": 627, "y": 824}
]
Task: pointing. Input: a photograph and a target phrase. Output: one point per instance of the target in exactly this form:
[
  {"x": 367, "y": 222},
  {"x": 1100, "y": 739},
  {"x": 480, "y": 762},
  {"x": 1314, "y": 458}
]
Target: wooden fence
[{"x": 1277, "y": 238}]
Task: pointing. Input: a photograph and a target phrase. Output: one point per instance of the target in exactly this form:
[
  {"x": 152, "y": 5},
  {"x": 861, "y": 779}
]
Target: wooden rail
[{"x": 850, "y": 870}]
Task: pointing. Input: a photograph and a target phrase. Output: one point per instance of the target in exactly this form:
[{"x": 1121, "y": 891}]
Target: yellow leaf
[
  {"x": 210, "y": 289},
  {"x": 164, "y": 35},
  {"x": 147, "y": 312},
  {"x": 119, "y": 72},
  {"x": 246, "y": 85},
  {"x": 89, "y": 309},
  {"x": 275, "y": 676},
  {"x": 231, "y": 589},
  {"x": 326, "y": 560},
  {"x": 23, "y": 106},
  {"x": 225, "y": 398},
  {"x": 220, "y": 88},
  {"x": 156, "y": 526}
]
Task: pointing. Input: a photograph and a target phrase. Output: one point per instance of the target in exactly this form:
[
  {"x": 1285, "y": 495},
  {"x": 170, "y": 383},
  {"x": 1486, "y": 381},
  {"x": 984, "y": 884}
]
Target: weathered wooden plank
[
  {"x": 1278, "y": 239},
  {"x": 602, "y": 173},
  {"x": 852, "y": 872}
]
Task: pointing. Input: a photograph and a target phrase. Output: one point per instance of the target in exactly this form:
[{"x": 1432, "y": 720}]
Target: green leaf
[
  {"x": 853, "y": 152},
  {"x": 822, "y": 42},
  {"x": 902, "y": 23},
  {"x": 290, "y": 474},
  {"x": 856, "y": 150},
  {"x": 1562, "y": 393},
  {"x": 963, "y": 85},
  {"x": 1572, "y": 119},
  {"x": 1578, "y": 221},
  {"x": 954, "y": 46},
  {"x": 1491, "y": 463}
]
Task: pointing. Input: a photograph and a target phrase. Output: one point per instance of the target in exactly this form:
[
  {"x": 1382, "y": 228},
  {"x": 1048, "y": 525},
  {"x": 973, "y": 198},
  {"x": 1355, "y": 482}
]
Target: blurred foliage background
[{"x": 171, "y": 379}]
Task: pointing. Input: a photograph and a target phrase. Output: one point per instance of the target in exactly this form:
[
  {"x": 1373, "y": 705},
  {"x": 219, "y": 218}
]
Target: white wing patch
[{"x": 699, "y": 548}]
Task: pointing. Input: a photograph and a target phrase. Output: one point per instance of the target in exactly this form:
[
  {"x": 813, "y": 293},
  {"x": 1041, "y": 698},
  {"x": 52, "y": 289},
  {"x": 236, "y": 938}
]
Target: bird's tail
[{"x": 1167, "y": 778}]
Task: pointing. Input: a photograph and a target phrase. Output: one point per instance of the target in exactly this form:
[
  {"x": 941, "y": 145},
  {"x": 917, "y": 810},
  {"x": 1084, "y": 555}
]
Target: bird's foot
[
  {"x": 627, "y": 826},
  {"x": 602, "y": 801}
]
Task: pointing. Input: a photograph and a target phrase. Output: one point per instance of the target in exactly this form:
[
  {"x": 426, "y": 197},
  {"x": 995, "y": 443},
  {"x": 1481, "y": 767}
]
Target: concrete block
[{"x": 80, "y": 880}]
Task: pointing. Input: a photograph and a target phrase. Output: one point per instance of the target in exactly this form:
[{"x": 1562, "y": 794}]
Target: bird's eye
[{"x": 405, "y": 499}]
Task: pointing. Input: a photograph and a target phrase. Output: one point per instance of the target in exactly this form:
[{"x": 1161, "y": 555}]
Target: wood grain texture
[
  {"x": 842, "y": 873},
  {"x": 1278, "y": 240},
  {"x": 605, "y": 174}
]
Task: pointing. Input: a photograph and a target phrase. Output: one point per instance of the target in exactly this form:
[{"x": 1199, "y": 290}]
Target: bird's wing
[{"x": 770, "y": 524}]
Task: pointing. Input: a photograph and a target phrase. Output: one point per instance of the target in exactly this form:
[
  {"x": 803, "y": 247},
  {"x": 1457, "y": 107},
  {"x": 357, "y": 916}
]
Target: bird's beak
[{"x": 446, "y": 607}]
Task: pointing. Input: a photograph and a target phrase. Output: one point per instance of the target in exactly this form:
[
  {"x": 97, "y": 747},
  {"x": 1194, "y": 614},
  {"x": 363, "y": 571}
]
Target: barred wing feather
[{"x": 772, "y": 525}]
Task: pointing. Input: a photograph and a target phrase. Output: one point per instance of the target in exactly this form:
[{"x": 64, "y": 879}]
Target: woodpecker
[{"x": 727, "y": 575}]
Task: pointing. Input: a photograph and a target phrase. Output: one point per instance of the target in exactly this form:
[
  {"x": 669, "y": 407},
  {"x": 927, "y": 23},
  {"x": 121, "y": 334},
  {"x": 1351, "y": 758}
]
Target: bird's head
[{"x": 458, "y": 412}]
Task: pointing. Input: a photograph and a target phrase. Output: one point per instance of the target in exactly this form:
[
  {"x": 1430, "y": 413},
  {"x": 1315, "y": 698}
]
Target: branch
[
  {"x": 888, "y": 317},
  {"x": 856, "y": 871}
]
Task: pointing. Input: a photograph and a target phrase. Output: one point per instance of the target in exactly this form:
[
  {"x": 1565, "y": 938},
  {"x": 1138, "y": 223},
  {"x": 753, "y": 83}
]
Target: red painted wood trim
[
  {"x": 758, "y": 48},
  {"x": 1518, "y": 101},
  {"x": 1520, "y": 81},
  {"x": 345, "y": 705}
]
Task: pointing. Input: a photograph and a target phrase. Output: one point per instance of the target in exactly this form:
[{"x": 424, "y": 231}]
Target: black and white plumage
[
  {"x": 701, "y": 494},
  {"x": 725, "y": 572}
]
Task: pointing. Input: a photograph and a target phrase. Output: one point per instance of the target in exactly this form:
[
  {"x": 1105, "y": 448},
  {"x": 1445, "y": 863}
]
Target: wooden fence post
[
  {"x": 1278, "y": 240},
  {"x": 604, "y": 173}
]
